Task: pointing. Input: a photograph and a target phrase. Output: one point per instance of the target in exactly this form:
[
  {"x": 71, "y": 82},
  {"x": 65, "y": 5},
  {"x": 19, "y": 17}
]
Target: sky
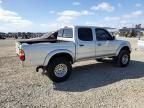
[{"x": 49, "y": 15}]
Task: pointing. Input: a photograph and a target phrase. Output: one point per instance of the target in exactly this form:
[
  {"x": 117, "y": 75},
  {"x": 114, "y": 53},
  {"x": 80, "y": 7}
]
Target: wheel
[
  {"x": 99, "y": 60},
  {"x": 123, "y": 58},
  {"x": 59, "y": 69}
]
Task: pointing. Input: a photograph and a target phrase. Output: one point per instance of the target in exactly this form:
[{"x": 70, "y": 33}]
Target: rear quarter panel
[{"x": 37, "y": 54}]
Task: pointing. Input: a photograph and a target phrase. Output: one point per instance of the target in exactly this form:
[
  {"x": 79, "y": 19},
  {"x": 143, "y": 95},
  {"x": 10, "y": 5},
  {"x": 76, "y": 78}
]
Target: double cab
[{"x": 68, "y": 45}]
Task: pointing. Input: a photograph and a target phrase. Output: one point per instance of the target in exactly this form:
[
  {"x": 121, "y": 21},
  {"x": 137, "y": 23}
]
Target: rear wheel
[
  {"x": 123, "y": 58},
  {"x": 59, "y": 69}
]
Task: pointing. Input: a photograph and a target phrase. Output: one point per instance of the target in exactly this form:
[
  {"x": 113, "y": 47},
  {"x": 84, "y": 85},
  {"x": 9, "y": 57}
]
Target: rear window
[
  {"x": 65, "y": 33},
  {"x": 85, "y": 34},
  {"x": 68, "y": 33}
]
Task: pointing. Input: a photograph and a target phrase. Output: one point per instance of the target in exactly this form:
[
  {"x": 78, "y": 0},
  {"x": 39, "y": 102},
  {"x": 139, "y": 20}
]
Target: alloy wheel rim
[
  {"x": 60, "y": 70},
  {"x": 125, "y": 59}
]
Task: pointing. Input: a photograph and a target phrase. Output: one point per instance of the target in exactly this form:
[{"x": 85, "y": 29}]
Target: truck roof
[{"x": 72, "y": 26}]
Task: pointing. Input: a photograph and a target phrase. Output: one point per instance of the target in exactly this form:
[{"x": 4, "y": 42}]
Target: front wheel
[
  {"x": 59, "y": 69},
  {"x": 123, "y": 58}
]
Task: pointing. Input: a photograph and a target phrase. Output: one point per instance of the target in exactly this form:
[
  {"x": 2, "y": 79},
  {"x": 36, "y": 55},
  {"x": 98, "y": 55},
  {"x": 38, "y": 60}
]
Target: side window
[
  {"x": 60, "y": 33},
  {"x": 85, "y": 34},
  {"x": 68, "y": 33},
  {"x": 102, "y": 35}
]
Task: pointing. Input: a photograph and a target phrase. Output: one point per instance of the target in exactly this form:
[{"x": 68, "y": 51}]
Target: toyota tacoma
[{"x": 68, "y": 45}]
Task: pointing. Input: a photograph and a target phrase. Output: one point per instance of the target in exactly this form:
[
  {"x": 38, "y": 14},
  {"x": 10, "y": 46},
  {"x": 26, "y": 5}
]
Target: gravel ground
[{"x": 91, "y": 85}]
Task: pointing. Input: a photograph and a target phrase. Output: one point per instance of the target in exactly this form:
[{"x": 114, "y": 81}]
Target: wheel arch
[
  {"x": 59, "y": 53},
  {"x": 123, "y": 48}
]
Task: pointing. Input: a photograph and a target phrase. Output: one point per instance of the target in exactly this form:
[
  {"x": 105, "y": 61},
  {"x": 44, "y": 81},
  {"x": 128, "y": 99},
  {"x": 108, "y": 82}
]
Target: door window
[
  {"x": 85, "y": 34},
  {"x": 102, "y": 35}
]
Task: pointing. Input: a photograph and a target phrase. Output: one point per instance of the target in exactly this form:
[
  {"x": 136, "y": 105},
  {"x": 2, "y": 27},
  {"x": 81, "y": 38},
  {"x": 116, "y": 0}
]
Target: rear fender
[{"x": 51, "y": 54}]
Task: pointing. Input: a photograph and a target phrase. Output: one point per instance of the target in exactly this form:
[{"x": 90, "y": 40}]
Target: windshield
[{"x": 113, "y": 32}]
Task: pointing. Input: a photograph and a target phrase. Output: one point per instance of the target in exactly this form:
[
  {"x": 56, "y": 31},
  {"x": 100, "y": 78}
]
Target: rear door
[{"x": 85, "y": 43}]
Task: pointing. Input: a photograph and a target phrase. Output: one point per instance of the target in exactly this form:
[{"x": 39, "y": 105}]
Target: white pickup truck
[{"x": 69, "y": 45}]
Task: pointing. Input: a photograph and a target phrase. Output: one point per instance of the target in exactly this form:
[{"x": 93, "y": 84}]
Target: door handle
[
  {"x": 99, "y": 44},
  {"x": 81, "y": 45}
]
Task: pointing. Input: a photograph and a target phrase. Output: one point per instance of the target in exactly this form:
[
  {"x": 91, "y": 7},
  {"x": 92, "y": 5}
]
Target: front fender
[
  {"x": 51, "y": 54},
  {"x": 122, "y": 46}
]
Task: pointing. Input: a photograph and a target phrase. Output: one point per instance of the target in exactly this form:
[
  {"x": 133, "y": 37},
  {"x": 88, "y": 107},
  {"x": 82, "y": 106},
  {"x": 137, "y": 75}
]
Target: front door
[{"x": 104, "y": 43}]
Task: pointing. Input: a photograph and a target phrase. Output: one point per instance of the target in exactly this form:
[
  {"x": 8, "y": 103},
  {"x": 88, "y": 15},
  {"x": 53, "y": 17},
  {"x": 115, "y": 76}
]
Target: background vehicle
[
  {"x": 72, "y": 44},
  {"x": 1, "y": 37}
]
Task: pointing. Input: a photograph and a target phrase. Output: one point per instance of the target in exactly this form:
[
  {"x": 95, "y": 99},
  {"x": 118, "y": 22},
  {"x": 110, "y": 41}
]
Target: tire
[
  {"x": 123, "y": 59},
  {"x": 99, "y": 60},
  {"x": 59, "y": 69}
]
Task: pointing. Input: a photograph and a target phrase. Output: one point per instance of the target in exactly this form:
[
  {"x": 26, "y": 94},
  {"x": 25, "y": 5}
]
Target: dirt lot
[{"x": 99, "y": 85}]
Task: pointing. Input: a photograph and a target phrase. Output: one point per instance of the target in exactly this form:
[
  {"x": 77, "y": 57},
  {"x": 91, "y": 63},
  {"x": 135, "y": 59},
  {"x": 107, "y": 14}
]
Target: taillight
[{"x": 22, "y": 55}]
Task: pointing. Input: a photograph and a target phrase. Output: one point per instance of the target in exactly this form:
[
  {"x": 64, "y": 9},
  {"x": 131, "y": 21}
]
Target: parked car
[
  {"x": 1, "y": 37},
  {"x": 69, "y": 45}
]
